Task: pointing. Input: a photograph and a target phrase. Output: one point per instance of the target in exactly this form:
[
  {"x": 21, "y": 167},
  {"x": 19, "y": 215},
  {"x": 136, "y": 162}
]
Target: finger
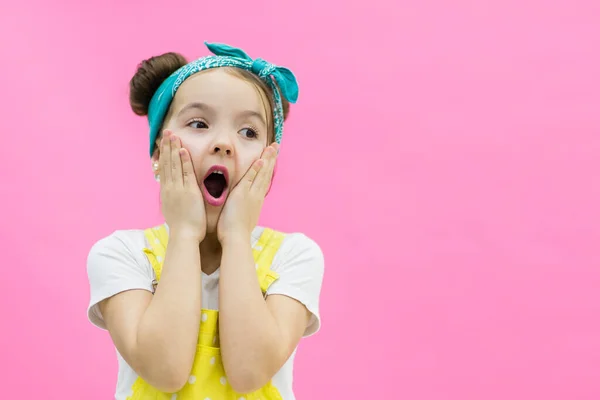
[
  {"x": 263, "y": 180},
  {"x": 176, "y": 173},
  {"x": 164, "y": 158},
  {"x": 187, "y": 168},
  {"x": 253, "y": 172}
]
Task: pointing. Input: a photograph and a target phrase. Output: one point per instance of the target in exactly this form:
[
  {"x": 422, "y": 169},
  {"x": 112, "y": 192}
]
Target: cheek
[
  {"x": 244, "y": 162},
  {"x": 196, "y": 145},
  {"x": 198, "y": 149}
]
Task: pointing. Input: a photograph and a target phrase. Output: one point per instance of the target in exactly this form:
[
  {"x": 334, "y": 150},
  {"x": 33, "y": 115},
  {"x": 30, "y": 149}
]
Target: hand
[
  {"x": 182, "y": 202},
  {"x": 244, "y": 203}
]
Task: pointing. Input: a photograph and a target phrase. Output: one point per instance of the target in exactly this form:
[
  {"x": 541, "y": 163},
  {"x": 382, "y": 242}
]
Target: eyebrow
[
  {"x": 207, "y": 108},
  {"x": 250, "y": 113},
  {"x": 195, "y": 105}
]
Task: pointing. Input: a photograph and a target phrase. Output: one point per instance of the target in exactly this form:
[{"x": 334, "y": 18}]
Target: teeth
[{"x": 218, "y": 172}]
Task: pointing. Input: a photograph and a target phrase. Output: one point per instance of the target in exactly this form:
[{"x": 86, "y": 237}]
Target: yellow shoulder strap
[
  {"x": 263, "y": 251},
  {"x": 157, "y": 239}
]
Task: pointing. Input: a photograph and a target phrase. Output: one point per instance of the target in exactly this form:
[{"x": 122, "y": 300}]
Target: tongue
[{"x": 215, "y": 184}]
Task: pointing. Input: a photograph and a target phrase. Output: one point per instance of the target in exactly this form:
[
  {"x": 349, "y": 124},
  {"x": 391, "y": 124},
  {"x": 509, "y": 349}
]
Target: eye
[
  {"x": 249, "y": 133},
  {"x": 197, "y": 124}
]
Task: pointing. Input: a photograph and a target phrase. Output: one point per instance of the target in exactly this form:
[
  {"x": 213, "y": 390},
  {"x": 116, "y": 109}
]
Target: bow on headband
[{"x": 281, "y": 80}]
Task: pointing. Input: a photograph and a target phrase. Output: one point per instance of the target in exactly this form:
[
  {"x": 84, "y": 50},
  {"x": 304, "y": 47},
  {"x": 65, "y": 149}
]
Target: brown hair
[{"x": 153, "y": 71}]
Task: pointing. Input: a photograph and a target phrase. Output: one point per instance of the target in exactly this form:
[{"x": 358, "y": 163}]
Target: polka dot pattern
[{"x": 208, "y": 380}]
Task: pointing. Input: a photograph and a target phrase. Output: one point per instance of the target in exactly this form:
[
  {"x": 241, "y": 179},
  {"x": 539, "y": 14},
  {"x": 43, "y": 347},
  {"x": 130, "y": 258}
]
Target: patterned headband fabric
[{"x": 281, "y": 80}]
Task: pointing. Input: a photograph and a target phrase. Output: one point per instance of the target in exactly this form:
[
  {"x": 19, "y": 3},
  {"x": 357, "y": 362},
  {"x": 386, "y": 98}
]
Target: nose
[{"x": 222, "y": 146}]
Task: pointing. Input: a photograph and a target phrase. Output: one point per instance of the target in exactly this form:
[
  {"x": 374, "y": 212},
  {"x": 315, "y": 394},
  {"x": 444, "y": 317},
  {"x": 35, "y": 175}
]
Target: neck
[{"x": 210, "y": 253}]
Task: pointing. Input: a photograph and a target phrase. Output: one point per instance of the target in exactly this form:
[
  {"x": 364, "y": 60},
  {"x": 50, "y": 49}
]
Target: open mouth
[{"x": 215, "y": 185}]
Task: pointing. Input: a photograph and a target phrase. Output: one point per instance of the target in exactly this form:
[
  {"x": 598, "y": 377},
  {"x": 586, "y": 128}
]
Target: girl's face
[{"x": 221, "y": 120}]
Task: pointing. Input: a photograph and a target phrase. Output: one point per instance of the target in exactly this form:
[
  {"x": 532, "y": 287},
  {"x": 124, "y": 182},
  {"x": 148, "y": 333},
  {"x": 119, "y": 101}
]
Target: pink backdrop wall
[{"x": 444, "y": 154}]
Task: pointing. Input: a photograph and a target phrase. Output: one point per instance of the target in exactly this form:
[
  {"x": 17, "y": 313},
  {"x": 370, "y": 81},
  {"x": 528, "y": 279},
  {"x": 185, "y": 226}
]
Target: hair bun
[{"x": 149, "y": 76}]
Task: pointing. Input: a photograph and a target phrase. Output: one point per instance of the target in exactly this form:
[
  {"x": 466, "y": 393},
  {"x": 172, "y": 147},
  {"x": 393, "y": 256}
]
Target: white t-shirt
[{"x": 117, "y": 263}]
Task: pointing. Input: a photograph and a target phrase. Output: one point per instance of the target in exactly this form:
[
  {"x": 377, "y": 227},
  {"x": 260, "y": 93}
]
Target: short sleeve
[
  {"x": 300, "y": 265},
  {"x": 113, "y": 266}
]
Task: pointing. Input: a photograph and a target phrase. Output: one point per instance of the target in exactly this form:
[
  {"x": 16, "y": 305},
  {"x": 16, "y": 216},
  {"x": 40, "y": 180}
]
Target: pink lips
[{"x": 216, "y": 202}]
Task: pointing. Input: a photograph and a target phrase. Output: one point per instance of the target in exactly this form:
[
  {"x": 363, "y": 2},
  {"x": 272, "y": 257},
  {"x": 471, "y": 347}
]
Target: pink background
[{"x": 445, "y": 155}]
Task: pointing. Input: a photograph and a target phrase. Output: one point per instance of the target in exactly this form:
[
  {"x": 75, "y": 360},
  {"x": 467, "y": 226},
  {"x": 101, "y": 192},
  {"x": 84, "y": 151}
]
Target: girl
[{"x": 208, "y": 305}]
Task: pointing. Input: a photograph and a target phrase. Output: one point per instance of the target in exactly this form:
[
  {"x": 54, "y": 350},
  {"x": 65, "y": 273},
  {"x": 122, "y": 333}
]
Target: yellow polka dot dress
[{"x": 207, "y": 380}]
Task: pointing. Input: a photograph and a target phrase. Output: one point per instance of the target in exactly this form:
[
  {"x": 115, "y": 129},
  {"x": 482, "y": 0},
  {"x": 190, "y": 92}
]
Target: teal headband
[{"x": 278, "y": 78}]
